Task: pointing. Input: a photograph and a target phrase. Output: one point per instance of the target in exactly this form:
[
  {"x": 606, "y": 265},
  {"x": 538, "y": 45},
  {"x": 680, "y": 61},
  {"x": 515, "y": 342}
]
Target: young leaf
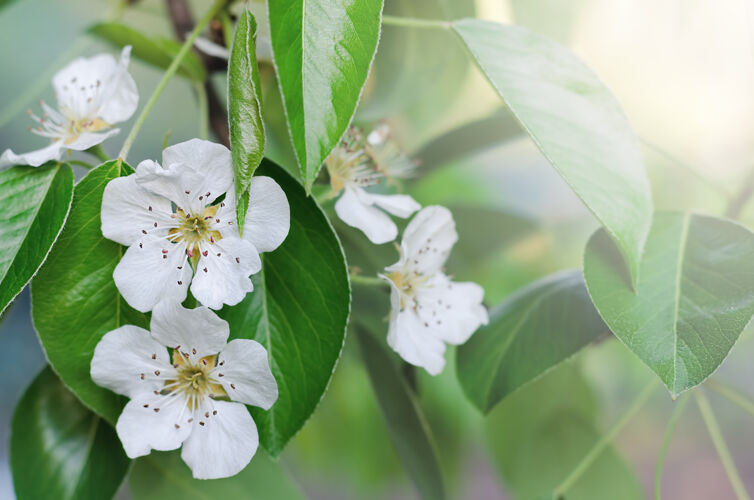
[
  {"x": 156, "y": 51},
  {"x": 35, "y": 204},
  {"x": 59, "y": 449},
  {"x": 298, "y": 311},
  {"x": 695, "y": 295},
  {"x": 164, "y": 476},
  {"x": 244, "y": 110},
  {"x": 323, "y": 50},
  {"x": 574, "y": 120},
  {"x": 529, "y": 333},
  {"x": 74, "y": 298}
]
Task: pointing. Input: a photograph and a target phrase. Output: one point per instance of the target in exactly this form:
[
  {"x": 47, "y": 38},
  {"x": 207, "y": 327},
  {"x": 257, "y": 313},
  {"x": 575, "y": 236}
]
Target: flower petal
[
  {"x": 89, "y": 139},
  {"x": 125, "y": 361},
  {"x": 400, "y": 205},
  {"x": 80, "y": 86},
  {"x": 200, "y": 329},
  {"x": 153, "y": 421},
  {"x": 374, "y": 223},
  {"x": 222, "y": 275},
  {"x": 178, "y": 184},
  {"x": 246, "y": 373},
  {"x": 223, "y": 444},
  {"x": 268, "y": 218},
  {"x": 127, "y": 210},
  {"x": 210, "y": 160},
  {"x": 121, "y": 97},
  {"x": 146, "y": 275},
  {"x": 210, "y": 48},
  {"x": 427, "y": 241},
  {"x": 34, "y": 158}
]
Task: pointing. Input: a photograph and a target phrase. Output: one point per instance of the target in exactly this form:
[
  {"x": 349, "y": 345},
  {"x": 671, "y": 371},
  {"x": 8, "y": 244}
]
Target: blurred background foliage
[{"x": 684, "y": 72}]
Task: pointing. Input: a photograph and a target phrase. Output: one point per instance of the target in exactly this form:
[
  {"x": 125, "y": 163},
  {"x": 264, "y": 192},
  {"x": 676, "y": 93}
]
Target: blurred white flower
[
  {"x": 93, "y": 94},
  {"x": 180, "y": 220},
  {"x": 387, "y": 156},
  {"x": 427, "y": 308},
  {"x": 351, "y": 170},
  {"x": 184, "y": 400}
]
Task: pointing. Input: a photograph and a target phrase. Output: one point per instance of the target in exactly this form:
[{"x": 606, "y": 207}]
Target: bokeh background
[{"x": 683, "y": 71}]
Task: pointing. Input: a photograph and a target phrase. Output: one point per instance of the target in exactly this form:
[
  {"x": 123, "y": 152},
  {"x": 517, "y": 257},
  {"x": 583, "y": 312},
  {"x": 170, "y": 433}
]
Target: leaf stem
[
  {"x": 605, "y": 440},
  {"x": 731, "y": 394},
  {"x": 410, "y": 22},
  {"x": 358, "y": 279},
  {"x": 99, "y": 152},
  {"x": 203, "y": 22},
  {"x": 722, "y": 449},
  {"x": 201, "y": 98},
  {"x": 669, "y": 431}
]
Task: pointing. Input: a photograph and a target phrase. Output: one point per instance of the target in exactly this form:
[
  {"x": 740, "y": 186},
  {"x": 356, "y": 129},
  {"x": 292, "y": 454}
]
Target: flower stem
[
  {"x": 201, "y": 97},
  {"x": 604, "y": 441},
  {"x": 99, "y": 152},
  {"x": 358, "y": 279},
  {"x": 203, "y": 22},
  {"x": 674, "y": 417},
  {"x": 409, "y": 22},
  {"x": 732, "y": 395},
  {"x": 722, "y": 449}
]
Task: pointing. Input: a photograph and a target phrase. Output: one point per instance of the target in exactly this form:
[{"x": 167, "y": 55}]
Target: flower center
[
  {"x": 77, "y": 126},
  {"x": 194, "y": 381},
  {"x": 350, "y": 166},
  {"x": 407, "y": 284},
  {"x": 195, "y": 229}
]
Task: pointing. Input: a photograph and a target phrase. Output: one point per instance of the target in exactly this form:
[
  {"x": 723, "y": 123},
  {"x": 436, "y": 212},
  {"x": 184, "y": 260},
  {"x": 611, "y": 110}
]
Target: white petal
[
  {"x": 400, "y": 205},
  {"x": 173, "y": 325},
  {"x": 149, "y": 422},
  {"x": 427, "y": 240},
  {"x": 246, "y": 367},
  {"x": 89, "y": 139},
  {"x": 224, "y": 445},
  {"x": 145, "y": 275},
  {"x": 123, "y": 362},
  {"x": 211, "y": 48},
  {"x": 121, "y": 96},
  {"x": 179, "y": 184},
  {"x": 374, "y": 223},
  {"x": 210, "y": 160},
  {"x": 127, "y": 210},
  {"x": 224, "y": 278},
  {"x": 268, "y": 218},
  {"x": 53, "y": 152},
  {"x": 81, "y": 85}
]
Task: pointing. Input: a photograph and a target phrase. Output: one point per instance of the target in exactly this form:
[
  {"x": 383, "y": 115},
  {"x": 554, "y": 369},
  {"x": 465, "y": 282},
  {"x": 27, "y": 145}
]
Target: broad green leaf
[
  {"x": 574, "y": 120},
  {"x": 695, "y": 295},
  {"x": 529, "y": 333},
  {"x": 298, "y": 311},
  {"x": 539, "y": 434},
  {"x": 244, "y": 110},
  {"x": 323, "y": 50},
  {"x": 59, "y": 449},
  {"x": 156, "y": 51},
  {"x": 164, "y": 476},
  {"x": 74, "y": 298},
  {"x": 35, "y": 204}
]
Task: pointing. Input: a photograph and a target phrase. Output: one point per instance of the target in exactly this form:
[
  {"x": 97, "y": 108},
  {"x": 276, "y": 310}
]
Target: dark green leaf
[
  {"x": 74, "y": 298},
  {"x": 244, "y": 110},
  {"x": 298, "y": 311},
  {"x": 532, "y": 331},
  {"x": 35, "y": 204},
  {"x": 574, "y": 120},
  {"x": 695, "y": 295},
  {"x": 323, "y": 53},
  {"x": 156, "y": 51},
  {"x": 61, "y": 450}
]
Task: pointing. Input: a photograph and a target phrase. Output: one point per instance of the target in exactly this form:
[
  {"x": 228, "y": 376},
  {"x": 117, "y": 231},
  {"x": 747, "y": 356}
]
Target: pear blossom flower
[
  {"x": 429, "y": 310},
  {"x": 352, "y": 170},
  {"x": 93, "y": 94},
  {"x": 179, "y": 223},
  {"x": 387, "y": 155},
  {"x": 192, "y": 397}
]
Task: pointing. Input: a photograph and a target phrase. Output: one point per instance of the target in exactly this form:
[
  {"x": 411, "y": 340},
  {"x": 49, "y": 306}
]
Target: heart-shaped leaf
[
  {"x": 35, "y": 204},
  {"x": 695, "y": 295},
  {"x": 323, "y": 50},
  {"x": 574, "y": 120},
  {"x": 529, "y": 333},
  {"x": 59, "y": 449},
  {"x": 298, "y": 311},
  {"x": 74, "y": 298}
]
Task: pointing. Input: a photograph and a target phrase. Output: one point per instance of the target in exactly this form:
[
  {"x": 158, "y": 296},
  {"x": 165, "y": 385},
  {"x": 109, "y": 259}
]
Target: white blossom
[
  {"x": 351, "y": 171},
  {"x": 429, "y": 310},
  {"x": 93, "y": 94},
  {"x": 179, "y": 223},
  {"x": 187, "y": 398}
]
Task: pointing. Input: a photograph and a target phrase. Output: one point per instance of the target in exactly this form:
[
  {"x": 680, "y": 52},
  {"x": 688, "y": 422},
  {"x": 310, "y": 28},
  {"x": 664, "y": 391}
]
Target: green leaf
[
  {"x": 298, "y": 311},
  {"x": 74, "y": 298},
  {"x": 323, "y": 50},
  {"x": 61, "y": 450},
  {"x": 244, "y": 110},
  {"x": 574, "y": 120},
  {"x": 35, "y": 204},
  {"x": 164, "y": 476},
  {"x": 156, "y": 51},
  {"x": 529, "y": 333},
  {"x": 694, "y": 298}
]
